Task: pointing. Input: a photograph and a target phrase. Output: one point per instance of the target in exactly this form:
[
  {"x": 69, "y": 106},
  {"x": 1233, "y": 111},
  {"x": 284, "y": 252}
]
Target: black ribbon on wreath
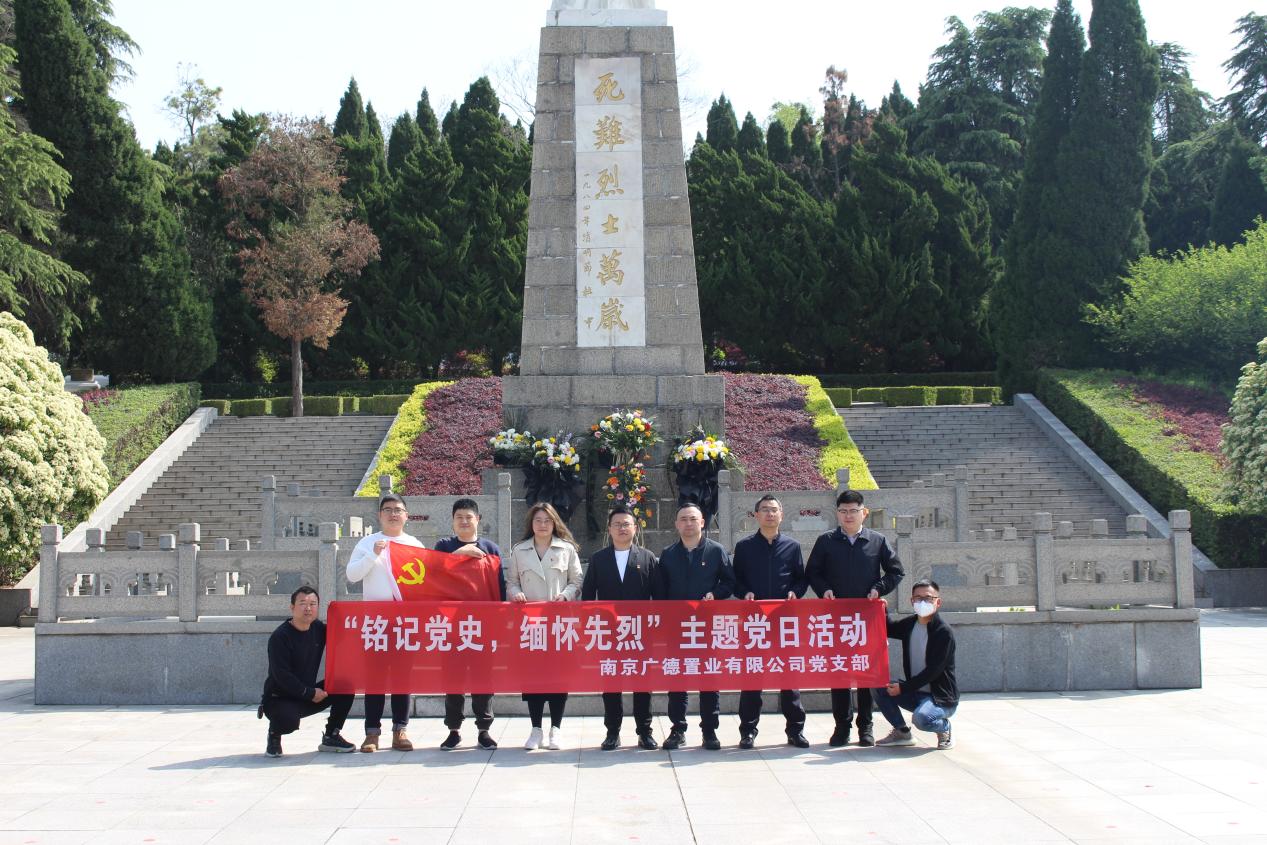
[
  {"x": 697, "y": 485},
  {"x": 562, "y": 490}
]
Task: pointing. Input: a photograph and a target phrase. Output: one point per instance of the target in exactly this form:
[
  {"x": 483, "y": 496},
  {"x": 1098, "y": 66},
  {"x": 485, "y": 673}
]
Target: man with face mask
[{"x": 928, "y": 658}]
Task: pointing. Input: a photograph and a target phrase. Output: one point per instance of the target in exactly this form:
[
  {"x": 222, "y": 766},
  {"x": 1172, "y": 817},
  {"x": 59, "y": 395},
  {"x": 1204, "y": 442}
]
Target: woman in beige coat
[{"x": 544, "y": 566}]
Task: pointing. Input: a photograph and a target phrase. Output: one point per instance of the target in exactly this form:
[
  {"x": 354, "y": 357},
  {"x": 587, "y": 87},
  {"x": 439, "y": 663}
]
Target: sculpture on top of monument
[{"x": 560, "y": 5}]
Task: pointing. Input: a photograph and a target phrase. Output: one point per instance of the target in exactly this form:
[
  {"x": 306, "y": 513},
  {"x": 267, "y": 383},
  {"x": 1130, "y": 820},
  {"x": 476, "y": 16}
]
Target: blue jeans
[{"x": 925, "y": 712}]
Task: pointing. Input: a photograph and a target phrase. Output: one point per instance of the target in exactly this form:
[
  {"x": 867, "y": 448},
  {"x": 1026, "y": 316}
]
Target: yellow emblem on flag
[{"x": 415, "y": 571}]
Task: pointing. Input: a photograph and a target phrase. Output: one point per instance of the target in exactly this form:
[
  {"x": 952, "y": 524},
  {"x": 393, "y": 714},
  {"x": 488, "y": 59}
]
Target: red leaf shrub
[
  {"x": 1198, "y": 415},
  {"x": 771, "y": 433},
  {"x": 449, "y": 456},
  {"x": 95, "y": 398}
]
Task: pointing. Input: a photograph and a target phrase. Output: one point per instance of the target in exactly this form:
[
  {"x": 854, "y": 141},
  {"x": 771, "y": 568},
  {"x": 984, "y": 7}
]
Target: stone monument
[{"x": 611, "y": 303}]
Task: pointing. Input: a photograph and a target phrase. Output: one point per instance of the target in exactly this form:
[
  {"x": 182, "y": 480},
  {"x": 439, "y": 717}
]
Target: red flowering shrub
[
  {"x": 97, "y": 398},
  {"x": 450, "y": 454},
  {"x": 1198, "y": 415},
  {"x": 771, "y": 433}
]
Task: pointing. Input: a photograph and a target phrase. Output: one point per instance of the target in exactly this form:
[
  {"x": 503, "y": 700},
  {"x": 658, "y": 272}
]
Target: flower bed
[
  {"x": 136, "y": 420},
  {"x": 411, "y": 421},
  {"x": 449, "y": 455},
  {"x": 1198, "y": 415}
]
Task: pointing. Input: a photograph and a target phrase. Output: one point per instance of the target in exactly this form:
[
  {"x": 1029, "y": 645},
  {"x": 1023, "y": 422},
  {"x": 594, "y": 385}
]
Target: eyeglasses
[
  {"x": 768, "y": 510},
  {"x": 394, "y": 511},
  {"x": 924, "y": 598},
  {"x": 849, "y": 511}
]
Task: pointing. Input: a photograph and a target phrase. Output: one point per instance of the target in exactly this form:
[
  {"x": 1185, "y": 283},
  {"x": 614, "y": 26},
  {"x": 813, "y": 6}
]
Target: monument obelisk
[{"x": 611, "y": 303}]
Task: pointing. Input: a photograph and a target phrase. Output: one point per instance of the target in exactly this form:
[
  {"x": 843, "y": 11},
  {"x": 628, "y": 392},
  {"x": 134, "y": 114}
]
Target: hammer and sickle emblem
[{"x": 412, "y": 573}]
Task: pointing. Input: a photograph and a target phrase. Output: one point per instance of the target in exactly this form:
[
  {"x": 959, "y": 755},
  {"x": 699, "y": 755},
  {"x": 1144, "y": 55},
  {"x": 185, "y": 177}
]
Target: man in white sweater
[{"x": 370, "y": 565}]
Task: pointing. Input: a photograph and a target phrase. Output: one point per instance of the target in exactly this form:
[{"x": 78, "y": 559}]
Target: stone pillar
[
  {"x": 327, "y": 570},
  {"x": 842, "y": 480},
  {"x": 725, "y": 510},
  {"x": 1044, "y": 562},
  {"x": 50, "y": 588},
  {"x": 1181, "y": 544},
  {"x": 904, "y": 548},
  {"x": 268, "y": 512},
  {"x": 505, "y": 503},
  {"x": 961, "y": 503},
  {"x": 611, "y": 301},
  {"x": 187, "y": 571}
]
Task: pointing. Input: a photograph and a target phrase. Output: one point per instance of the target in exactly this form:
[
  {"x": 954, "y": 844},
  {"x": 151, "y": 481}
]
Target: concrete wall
[{"x": 224, "y": 662}]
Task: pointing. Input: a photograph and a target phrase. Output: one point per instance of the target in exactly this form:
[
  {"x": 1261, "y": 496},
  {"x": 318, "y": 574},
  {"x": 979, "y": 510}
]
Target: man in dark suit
[
  {"x": 623, "y": 571},
  {"x": 852, "y": 562}
]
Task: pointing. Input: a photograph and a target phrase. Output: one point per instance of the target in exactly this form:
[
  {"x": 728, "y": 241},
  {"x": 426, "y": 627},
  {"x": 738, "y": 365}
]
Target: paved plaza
[{"x": 1137, "y": 767}]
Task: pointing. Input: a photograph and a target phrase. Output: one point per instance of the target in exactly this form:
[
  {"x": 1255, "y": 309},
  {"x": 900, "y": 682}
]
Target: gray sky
[{"x": 296, "y": 55}]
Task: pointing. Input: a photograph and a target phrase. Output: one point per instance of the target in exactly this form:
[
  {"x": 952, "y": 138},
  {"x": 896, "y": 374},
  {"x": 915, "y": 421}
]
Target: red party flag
[{"x": 428, "y": 575}]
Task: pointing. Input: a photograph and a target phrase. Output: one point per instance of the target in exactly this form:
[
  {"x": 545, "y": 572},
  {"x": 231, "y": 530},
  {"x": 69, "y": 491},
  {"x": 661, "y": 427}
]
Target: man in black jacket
[
  {"x": 695, "y": 568},
  {"x": 291, "y": 690},
  {"x": 852, "y": 562},
  {"x": 928, "y": 658},
  {"x": 768, "y": 565},
  {"x": 623, "y": 571}
]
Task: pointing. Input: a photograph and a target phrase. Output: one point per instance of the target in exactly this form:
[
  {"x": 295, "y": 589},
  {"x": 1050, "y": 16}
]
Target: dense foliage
[
  {"x": 136, "y": 420},
  {"x": 1245, "y": 438}
]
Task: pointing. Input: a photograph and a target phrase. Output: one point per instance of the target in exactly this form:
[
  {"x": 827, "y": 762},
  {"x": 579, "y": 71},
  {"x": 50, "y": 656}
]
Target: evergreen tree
[
  {"x": 405, "y": 138},
  {"x": 1247, "y": 102},
  {"x": 1182, "y": 187},
  {"x": 1034, "y": 281},
  {"x": 751, "y": 139},
  {"x": 124, "y": 238},
  {"x": 723, "y": 128},
  {"x": 807, "y": 154},
  {"x": 449, "y": 122},
  {"x": 1182, "y": 110},
  {"x": 1242, "y": 193},
  {"x": 108, "y": 40},
  {"x": 350, "y": 121},
  {"x": 778, "y": 144},
  {"x": 426, "y": 118},
  {"x": 896, "y": 106}
]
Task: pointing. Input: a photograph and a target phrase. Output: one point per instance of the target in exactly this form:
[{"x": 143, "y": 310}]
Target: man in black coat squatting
[
  {"x": 623, "y": 571},
  {"x": 930, "y": 690}
]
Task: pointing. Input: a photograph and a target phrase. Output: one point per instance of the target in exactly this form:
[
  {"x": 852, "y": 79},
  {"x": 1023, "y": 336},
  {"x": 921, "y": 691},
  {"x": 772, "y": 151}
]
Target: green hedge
[
  {"x": 841, "y": 397},
  {"x": 382, "y": 406},
  {"x": 857, "y": 380},
  {"x": 869, "y": 394},
  {"x": 252, "y": 407},
  {"x": 138, "y": 420},
  {"x": 323, "y": 406},
  {"x": 987, "y": 395},
  {"x": 281, "y": 405},
  {"x": 224, "y": 406},
  {"x": 953, "y": 395},
  {"x": 904, "y": 396},
  {"x": 840, "y": 451},
  {"x": 231, "y": 390},
  {"x": 1157, "y": 464}
]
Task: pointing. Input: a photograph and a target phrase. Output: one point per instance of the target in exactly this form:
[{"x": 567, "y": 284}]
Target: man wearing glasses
[
  {"x": 930, "y": 691},
  {"x": 371, "y": 567},
  {"x": 852, "y": 562},
  {"x": 768, "y": 565}
]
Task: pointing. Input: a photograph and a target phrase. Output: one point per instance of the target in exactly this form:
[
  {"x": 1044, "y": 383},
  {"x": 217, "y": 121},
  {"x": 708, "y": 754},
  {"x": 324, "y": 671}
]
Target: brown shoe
[
  {"x": 400, "y": 742},
  {"x": 371, "y": 743}
]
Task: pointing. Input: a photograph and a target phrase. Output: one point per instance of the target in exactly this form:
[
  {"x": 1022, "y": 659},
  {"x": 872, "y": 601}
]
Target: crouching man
[
  {"x": 291, "y": 690},
  {"x": 928, "y": 657}
]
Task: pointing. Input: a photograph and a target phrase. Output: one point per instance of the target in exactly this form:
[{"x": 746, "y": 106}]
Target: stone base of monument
[
  {"x": 547, "y": 405},
  {"x": 224, "y": 661}
]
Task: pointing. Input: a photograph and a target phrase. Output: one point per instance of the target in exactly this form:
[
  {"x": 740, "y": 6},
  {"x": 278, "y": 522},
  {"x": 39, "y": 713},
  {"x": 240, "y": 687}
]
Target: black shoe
[
  {"x": 612, "y": 742},
  {"x": 274, "y": 747},
  {"x": 674, "y": 741},
  {"x": 451, "y": 741},
  {"x": 798, "y": 740},
  {"x": 486, "y": 742},
  {"x": 711, "y": 742},
  {"x": 838, "y": 738},
  {"x": 647, "y": 742},
  {"x": 335, "y": 743},
  {"x": 866, "y": 738},
  {"x": 747, "y": 742}
]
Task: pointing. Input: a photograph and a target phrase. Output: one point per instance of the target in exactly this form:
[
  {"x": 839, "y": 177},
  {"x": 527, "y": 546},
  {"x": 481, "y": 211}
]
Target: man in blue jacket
[
  {"x": 695, "y": 568},
  {"x": 768, "y": 565},
  {"x": 852, "y": 562},
  {"x": 930, "y": 690}
]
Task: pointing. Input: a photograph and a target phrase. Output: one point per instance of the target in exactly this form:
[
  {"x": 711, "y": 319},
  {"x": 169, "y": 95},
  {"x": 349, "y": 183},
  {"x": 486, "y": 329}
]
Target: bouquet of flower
[
  {"x": 696, "y": 461},
  {"x": 625, "y": 432},
  {"x": 627, "y": 485},
  {"x": 512, "y": 448},
  {"x": 552, "y": 474},
  {"x": 704, "y": 447},
  {"x": 556, "y": 454}
]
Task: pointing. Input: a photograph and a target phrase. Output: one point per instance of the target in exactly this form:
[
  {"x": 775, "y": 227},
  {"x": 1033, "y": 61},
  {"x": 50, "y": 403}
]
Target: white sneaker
[
  {"x": 556, "y": 738},
  {"x": 534, "y": 740},
  {"x": 897, "y": 736}
]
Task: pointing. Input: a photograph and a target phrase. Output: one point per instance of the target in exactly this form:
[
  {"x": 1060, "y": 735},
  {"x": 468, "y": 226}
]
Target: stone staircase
[
  {"x": 1014, "y": 469},
  {"x": 216, "y": 482}
]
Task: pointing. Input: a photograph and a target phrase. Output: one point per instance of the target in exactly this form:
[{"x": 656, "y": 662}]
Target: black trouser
[
  {"x": 537, "y": 706},
  {"x": 789, "y": 703},
  {"x": 374, "y": 712},
  {"x": 842, "y": 708},
  {"x": 481, "y": 706},
  {"x": 283, "y": 714},
  {"x": 614, "y": 712},
  {"x": 709, "y": 711}
]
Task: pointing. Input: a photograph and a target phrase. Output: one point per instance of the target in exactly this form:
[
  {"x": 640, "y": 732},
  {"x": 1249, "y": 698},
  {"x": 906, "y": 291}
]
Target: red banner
[
  {"x": 641, "y": 646},
  {"x": 427, "y": 575}
]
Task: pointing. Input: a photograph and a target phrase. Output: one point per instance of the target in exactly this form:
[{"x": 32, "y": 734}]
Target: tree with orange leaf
[{"x": 299, "y": 240}]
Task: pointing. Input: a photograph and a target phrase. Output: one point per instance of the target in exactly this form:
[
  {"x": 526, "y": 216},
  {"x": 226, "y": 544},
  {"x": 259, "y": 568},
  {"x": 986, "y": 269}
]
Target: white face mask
[{"x": 924, "y": 609}]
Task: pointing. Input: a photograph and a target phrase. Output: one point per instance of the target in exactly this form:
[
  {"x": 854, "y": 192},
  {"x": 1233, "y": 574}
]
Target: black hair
[
  {"x": 767, "y": 498},
  {"x": 390, "y": 497},
  {"x": 690, "y": 505},
  {"x": 305, "y": 590},
  {"x": 925, "y": 582},
  {"x": 617, "y": 511},
  {"x": 466, "y": 505},
  {"x": 849, "y": 497}
]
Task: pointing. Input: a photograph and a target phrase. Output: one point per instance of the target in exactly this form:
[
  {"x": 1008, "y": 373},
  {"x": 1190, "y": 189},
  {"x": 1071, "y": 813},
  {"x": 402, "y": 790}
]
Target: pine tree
[
  {"x": 151, "y": 319},
  {"x": 807, "y": 154},
  {"x": 1182, "y": 110},
  {"x": 1242, "y": 193},
  {"x": 404, "y": 139},
  {"x": 1182, "y": 188},
  {"x": 350, "y": 121},
  {"x": 426, "y": 118},
  {"x": 751, "y": 139},
  {"x": 1247, "y": 102},
  {"x": 896, "y": 106},
  {"x": 778, "y": 144},
  {"x": 723, "y": 128}
]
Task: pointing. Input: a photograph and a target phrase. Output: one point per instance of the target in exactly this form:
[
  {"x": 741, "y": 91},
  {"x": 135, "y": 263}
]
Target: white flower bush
[
  {"x": 51, "y": 467},
  {"x": 1245, "y": 436}
]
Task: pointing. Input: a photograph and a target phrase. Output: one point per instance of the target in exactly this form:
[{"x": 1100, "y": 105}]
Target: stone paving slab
[{"x": 1089, "y": 767}]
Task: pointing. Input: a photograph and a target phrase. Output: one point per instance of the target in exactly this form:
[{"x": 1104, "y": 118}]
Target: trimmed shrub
[
  {"x": 51, "y": 467},
  {"x": 382, "y": 406},
  {"x": 224, "y": 406},
  {"x": 904, "y": 396},
  {"x": 857, "y": 380},
  {"x": 252, "y": 407},
  {"x": 1157, "y": 462},
  {"x": 869, "y": 394},
  {"x": 280, "y": 405},
  {"x": 953, "y": 395},
  {"x": 1245, "y": 436},
  {"x": 233, "y": 390},
  {"x": 351, "y": 404},
  {"x": 841, "y": 397},
  {"x": 987, "y": 396},
  {"x": 137, "y": 420},
  {"x": 840, "y": 450},
  {"x": 323, "y": 406},
  {"x": 411, "y": 421}
]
